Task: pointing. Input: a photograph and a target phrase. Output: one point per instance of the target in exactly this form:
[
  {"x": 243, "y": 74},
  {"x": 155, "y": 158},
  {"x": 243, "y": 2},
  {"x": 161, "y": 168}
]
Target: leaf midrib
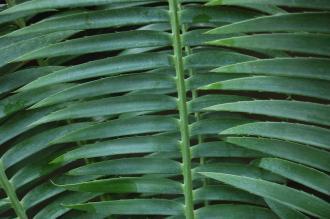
[{"x": 174, "y": 7}]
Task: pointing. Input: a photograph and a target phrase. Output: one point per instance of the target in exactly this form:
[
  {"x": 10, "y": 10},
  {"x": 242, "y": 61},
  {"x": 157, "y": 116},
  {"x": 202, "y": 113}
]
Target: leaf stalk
[
  {"x": 174, "y": 6},
  {"x": 9, "y": 189}
]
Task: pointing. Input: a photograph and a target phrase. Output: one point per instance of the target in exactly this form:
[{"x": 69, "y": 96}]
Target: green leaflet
[
  {"x": 25, "y": 99},
  {"x": 314, "y": 68},
  {"x": 37, "y": 6},
  {"x": 82, "y": 215},
  {"x": 103, "y": 67},
  {"x": 306, "y": 134},
  {"x": 311, "y": 43},
  {"x": 21, "y": 123},
  {"x": 4, "y": 18},
  {"x": 296, "y": 86},
  {"x": 292, "y": 151},
  {"x": 35, "y": 169},
  {"x": 221, "y": 149},
  {"x": 237, "y": 169},
  {"x": 97, "y": 19},
  {"x": 199, "y": 80},
  {"x": 9, "y": 82},
  {"x": 132, "y": 207},
  {"x": 6, "y": 40},
  {"x": 119, "y": 105},
  {"x": 269, "y": 9},
  {"x": 165, "y": 155},
  {"x": 228, "y": 211},
  {"x": 317, "y": 4},
  {"x": 102, "y": 42},
  {"x": 5, "y": 204},
  {"x": 128, "y": 185},
  {"x": 198, "y": 37},
  {"x": 55, "y": 209},
  {"x": 13, "y": 51},
  {"x": 128, "y": 166},
  {"x": 128, "y": 145},
  {"x": 215, "y": 125},
  {"x": 110, "y": 85},
  {"x": 123, "y": 127},
  {"x": 212, "y": 59},
  {"x": 36, "y": 143},
  {"x": 226, "y": 193},
  {"x": 302, "y": 22},
  {"x": 296, "y": 172},
  {"x": 284, "y": 211},
  {"x": 290, "y": 197},
  {"x": 47, "y": 190},
  {"x": 214, "y": 15},
  {"x": 313, "y": 112},
  {"x": 197, "y": 104}
]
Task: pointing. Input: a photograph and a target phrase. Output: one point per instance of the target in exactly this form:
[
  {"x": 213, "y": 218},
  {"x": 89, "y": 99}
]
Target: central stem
[
  {"x": 9, "y": 189},
  {"x": 182, "y": 105}
]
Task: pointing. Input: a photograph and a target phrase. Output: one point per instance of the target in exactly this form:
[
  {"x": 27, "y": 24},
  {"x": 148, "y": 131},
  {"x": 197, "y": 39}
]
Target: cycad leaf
[
  {"x": 317, "y": 4},
  {"x": 314, "y": 68},
  {"x": 199, "y": 103},
  {"x": 36, "y": 6},
  {"x": 13, "y": 51},
  {"x": 296, "y": 172},
  {"x": 117, "y": 84},
  {"x": 237, "y": 169},
  {"x": 47, "y": 190},
  {"x": 292, "y": 151},
  {"x": 302, "y": 22},
  {"x": 122, "y": 127},
  {"x": 127, "y": 166},
  {"x": 226, "y": 193},
  {"x": 128, "y": 185},
  {"x": 128, "y": 145},
  {"x": 215, "y": 125},
  {"x": 199, "y": 80},
  {"x": 96, "y": 19},
  {"x": 121, "y": 104},
  {"x": 221, "y": 149},
  {"x": 228, "y": 211},
  {"x": 21, "y": 123},
  {"x": 102, "y": 42},
  {"x": 34, "y": 170},
  {"x": 132, "y": 207},
  {"x": 214, "y": 15},
  {"x": 284, "y": 211},
  {"x": 132, "y": 111},
  {"x": 313, "y": 112},
  {"x": 103, "y": 67},
  {"x": 290, "y": 197},
  {"x": 9, "y": 82},
  {"x": 306, "y": 134},
  {"x": 37, "y": 143},
  {"x": 297, "y": 86},
  {"x": 25, "y": 99},
  {"x": 56, "y": 209},
  {"x": 317, "y": 44},
  {"x": 212, "y": 59}
]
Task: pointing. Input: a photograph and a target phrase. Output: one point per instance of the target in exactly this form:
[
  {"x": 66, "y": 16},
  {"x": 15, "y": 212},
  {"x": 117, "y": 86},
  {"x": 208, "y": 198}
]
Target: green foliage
[{"x": 165, "y": 109}]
